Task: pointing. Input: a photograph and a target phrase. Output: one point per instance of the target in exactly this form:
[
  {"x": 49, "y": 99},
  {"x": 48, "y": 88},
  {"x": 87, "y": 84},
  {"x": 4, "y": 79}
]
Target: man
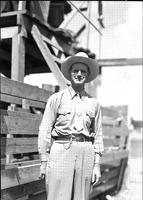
[{"x": 71, "y": 131}]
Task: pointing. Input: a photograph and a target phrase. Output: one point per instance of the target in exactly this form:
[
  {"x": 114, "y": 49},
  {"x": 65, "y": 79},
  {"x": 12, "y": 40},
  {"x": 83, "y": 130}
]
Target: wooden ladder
[{"x": 50, "y": 59}]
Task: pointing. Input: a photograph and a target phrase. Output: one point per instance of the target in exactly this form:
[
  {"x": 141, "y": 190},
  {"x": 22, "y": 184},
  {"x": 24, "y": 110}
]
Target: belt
[{"x": 74, "y": 137}]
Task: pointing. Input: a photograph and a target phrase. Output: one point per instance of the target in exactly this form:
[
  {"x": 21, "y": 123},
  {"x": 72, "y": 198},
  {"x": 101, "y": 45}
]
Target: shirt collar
[{"x": 73, "y": 93}]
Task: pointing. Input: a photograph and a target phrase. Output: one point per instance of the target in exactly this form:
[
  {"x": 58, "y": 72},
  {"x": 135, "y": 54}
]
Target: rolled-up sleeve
[
  {"x": 45, "y": 128},
  {"x": 98, "y": 135}
]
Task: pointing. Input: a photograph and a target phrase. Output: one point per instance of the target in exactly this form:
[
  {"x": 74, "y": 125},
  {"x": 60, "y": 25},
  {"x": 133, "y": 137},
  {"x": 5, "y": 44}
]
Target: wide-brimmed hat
[{"x": 80, "y": 57}]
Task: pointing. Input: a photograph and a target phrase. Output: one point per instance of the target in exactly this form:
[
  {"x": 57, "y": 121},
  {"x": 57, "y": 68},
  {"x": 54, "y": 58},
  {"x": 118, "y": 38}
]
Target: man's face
[{"x": 79, "y": 73}]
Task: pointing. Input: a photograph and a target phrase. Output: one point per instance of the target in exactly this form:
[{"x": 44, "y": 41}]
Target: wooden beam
[
  {"x": 22, "y": 5},
  {"x": 22, "y": 90},
  {"x": 115, "y": 131},
  {"x": 19, "y": 191},
  {"x": 17, "y": 100},
  {"x": 21, "y": 175},
  {"x": 48, "y": 57},
  {"x": 18, "y": 145},
  {"x": 120, "y": 62},
  {"x": 18, "y": 58},
  {"x": 9, "y": 32}
]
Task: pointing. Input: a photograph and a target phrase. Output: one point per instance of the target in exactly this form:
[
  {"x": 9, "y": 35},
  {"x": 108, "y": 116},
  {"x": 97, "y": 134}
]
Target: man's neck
[{"x": 78, "y": 88}]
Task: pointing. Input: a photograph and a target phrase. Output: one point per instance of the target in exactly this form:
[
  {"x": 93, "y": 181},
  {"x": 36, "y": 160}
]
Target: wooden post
[
  {"x": 88, "y": 24},
  {"x": 17, "y": 69},
  {"x": 22, "y": 5},
  {"x": 18, "y": 58}
]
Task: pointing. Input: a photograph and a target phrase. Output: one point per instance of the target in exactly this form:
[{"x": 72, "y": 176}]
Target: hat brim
[{"x": 91, "y": 63}]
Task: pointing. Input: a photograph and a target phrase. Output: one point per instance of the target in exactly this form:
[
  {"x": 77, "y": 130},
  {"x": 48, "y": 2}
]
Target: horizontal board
[
  {"x": 20, "y": 191},
  {"x": 114, "y": 155},
  {"x": 17, "y": 113},
  {"x": 22, "y": 123},
  {"x": 21, "y": 175},
  {"x": 109, "y": 174},
  {"x": 103, "y": 188},
  {"x": 19, "y": 89},
  {"x": 9, "y": 32},
  {"x": 115, "y": 131},
  {"x": 17, "y": 100},
  {"x": 18, "y": 145}
]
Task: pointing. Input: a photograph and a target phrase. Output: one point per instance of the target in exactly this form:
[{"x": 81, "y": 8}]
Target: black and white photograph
[{"x": 71, "y": 97}]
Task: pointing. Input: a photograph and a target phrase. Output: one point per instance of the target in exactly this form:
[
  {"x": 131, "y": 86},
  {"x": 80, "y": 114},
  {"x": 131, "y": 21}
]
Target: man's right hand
[{"x": 43, "y": 169}]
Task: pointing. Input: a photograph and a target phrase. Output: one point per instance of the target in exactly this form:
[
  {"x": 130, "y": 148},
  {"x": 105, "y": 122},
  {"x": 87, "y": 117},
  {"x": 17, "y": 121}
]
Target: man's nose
[{"x": 79, "y": 73}]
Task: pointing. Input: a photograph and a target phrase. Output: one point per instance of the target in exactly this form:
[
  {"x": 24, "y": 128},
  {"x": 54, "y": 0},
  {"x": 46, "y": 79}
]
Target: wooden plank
[
  {"x": 17, "y": 100},
  {"x": 22, "y": 5},
  {"x": 22, "y": 123},
  {"x": 120, "y": 62},
  {"x": 103, "y": 188},
  {"x": 16, "y": 113},
  {"x": 18, "y": 58},
  {"x": 115, "y": 131},
  {"x": 48, "y": 57},
  {"x": 22, "y": 163},
  {"x": 21, "y": 190},
  {"x": 107, "y": 111},
  {"x": 52, "y": 44},
  {"x": 110, "y": 165},
  {"x": 41, "y": 195},
  {"x": 106, "y": 175},
  {"x": 21, "y": 175},
  {"x": 9, "y": 32},
  {"x": 114, "y": 155},
  {"x": 18, "y": 145},
  {"x": 18, "y": 89}
]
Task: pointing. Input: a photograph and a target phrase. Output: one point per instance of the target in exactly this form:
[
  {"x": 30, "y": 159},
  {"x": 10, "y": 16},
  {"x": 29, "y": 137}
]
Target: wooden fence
[{"x": 19, "y": 153}]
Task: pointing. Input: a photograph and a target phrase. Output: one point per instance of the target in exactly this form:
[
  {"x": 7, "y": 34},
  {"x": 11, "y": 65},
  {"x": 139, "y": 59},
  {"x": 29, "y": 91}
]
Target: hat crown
[{"x": 82, "y": 54}]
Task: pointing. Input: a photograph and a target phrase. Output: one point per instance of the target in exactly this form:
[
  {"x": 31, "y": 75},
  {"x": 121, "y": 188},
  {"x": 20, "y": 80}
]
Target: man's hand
[
  {"x": 43, "y": 169},
  {"x": 96, "y": 174}
]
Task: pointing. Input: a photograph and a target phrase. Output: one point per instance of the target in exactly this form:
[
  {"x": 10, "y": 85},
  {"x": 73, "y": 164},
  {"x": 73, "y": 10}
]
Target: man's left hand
[{"x": 96, "y": 174}]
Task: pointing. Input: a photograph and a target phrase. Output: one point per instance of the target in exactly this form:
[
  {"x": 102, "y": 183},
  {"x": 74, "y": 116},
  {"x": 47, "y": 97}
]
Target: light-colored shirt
[{"x": 68, "y": 113}]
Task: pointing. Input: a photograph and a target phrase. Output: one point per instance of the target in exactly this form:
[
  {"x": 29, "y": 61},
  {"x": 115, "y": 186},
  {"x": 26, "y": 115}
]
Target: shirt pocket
[{"x": 64, "y": 115}]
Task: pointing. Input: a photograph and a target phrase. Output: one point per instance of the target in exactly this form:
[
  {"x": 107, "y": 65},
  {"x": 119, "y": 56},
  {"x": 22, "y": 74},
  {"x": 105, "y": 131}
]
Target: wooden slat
[
  {"x": 16, "y": 176},
  {"x": 109, "y": 174},
  {"x": 20, "y": 191},
  {"x": 52, "y": 44},
  {"x": 115, "y": 131},
  {"x": 114, "y": 155},
  {"x": 120, "y": 62},
  {"x": 9, "y": 32},
  {"x": 17, "y": 113},
  {"x": 102, "y": 188},
  {"x": 22, "y": 123},
  {"x": 18, "y": 89},
  {"x": 18, "y": 145},
  {"x": 17, "y": 100}
]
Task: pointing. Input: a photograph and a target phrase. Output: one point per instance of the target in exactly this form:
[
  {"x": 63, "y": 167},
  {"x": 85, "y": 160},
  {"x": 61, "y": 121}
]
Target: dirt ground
[{"x": 132, "y": 184}]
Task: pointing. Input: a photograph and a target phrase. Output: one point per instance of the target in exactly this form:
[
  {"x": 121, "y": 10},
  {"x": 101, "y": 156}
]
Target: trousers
[{"x": 69, "y": 171}]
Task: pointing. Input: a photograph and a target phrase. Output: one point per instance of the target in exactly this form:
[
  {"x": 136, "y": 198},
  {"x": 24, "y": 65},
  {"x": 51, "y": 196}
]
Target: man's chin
[{"x": 79, "y": 82}]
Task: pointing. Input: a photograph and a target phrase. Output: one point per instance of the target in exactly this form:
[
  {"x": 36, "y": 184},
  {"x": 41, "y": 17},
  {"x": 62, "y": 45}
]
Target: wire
[{"x": 86, "y": 18}]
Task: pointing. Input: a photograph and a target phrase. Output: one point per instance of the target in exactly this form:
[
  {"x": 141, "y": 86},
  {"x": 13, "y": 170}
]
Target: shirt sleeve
[
  {"x": 45, "y": 128},
  {"x": 98, "y": 135}
]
